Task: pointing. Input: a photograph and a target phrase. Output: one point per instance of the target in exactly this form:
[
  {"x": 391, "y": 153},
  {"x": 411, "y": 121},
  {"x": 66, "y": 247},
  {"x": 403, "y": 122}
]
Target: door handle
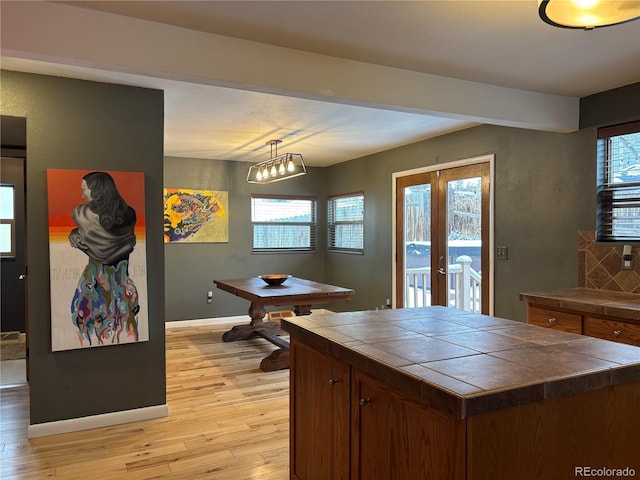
[{"x": 441, "y": 270}]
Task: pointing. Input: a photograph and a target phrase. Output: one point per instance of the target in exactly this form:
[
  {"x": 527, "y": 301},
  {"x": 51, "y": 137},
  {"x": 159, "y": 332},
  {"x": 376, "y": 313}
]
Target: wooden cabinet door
[
  {"x": 394, "y": 437},
  {"x": 320, "y": 389}
]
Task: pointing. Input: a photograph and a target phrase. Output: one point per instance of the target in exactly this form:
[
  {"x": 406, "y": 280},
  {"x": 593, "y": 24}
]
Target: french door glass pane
[
  {"x": 417, "y": 240},
  {"x": 464, "y": 242}
]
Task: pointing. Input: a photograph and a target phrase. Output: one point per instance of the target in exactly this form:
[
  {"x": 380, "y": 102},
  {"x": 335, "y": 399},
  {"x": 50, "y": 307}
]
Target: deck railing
[{"x": 464, "y": 286}]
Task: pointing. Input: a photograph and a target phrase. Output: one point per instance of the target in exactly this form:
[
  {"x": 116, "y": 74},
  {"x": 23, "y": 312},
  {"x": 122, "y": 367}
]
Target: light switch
[{"x": 502, "y": 253}]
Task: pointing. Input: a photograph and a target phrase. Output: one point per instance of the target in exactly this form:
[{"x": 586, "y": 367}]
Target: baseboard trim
[
  {"x": 200, "y": 322},
  {"x": 97, "y": 421},
  {"x": 239, "y": 319}
]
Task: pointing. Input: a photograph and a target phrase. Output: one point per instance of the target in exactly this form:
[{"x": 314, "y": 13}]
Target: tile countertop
[
  {"x": 589, "y": 300},
  {"x": 467, "y": 363}
]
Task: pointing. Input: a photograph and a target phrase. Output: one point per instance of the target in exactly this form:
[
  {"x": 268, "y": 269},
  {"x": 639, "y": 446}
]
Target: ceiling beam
[{"x": 76, "y": 36}]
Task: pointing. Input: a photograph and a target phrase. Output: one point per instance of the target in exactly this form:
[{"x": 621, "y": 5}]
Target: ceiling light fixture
[
  {"x": 588, "y": 14},
  {"x": 278, "y": 167}
]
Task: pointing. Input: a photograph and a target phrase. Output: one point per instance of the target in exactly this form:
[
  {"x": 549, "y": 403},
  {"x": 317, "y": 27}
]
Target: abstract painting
[
  {"x": 195, "y": 216},
  {"x": 97, "y": 250}
]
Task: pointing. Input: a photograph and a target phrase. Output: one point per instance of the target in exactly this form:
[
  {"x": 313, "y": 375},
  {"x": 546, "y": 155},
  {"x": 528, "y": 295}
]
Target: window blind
[
  {"x": 345, "y": 222},
  {"x": 619, "y": 183},
  {"x": 283, "y": 223}
]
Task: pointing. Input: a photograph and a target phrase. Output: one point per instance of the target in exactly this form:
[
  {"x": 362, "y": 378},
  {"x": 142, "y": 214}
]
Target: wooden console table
[{"x": 299, "y": 293}]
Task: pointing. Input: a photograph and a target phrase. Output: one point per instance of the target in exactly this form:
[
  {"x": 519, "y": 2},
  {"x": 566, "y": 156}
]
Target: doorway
[
  {"x": 443, "y": 236},
  {"x": 14, "y": 324}
]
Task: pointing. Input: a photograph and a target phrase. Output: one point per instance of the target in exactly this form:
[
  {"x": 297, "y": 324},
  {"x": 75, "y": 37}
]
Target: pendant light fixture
[
  {"x": 278, "y": 167},
  {"x": 588, "y": 14}
]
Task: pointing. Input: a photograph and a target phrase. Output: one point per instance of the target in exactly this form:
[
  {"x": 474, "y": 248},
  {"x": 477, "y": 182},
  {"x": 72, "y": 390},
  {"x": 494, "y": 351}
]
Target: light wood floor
[{"x": 227, "y": 420}]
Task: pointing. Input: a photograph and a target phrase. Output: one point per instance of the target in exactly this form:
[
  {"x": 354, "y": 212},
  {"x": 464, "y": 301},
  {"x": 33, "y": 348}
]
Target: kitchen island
[{"x": 445, "y": 394}]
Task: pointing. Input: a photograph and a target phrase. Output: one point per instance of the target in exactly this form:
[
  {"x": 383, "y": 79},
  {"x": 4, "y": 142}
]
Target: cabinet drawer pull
[
  {"x": 617, "y": 333},
  {"x": 364, "y": 402},
  {"x": 333, "y": 381},
  {"x": 552, "y": 320}
]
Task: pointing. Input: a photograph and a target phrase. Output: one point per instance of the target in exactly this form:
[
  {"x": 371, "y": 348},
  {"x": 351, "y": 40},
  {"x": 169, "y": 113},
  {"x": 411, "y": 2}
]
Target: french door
[{"x": 442, "y": 238}]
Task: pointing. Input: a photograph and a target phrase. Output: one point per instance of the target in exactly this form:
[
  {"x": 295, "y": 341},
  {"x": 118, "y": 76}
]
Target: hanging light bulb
[
  {"x": 274, "y": 172},
  {"x": 281, "y": 169},
  {"x": 258, "y": 175},
  {"x": 290, "y": 166}
]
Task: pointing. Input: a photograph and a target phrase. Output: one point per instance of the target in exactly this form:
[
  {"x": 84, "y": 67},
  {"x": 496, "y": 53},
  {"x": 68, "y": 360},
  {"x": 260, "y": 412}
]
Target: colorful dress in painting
[{"x": 105, "y": 303}]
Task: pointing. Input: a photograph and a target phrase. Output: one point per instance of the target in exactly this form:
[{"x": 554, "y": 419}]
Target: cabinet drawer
[
  {"x": 614, "y": 330},
  {"x": 545, "y": 317}
]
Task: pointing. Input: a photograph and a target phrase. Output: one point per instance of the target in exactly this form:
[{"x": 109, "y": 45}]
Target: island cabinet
[
  {"x": 613, "y": 316},
  {"x": 439, "y": 394},
  {"x": 347, "y": 424},
  {"x": 395, "y": 436},
  {"x": 319, "y": 421}
]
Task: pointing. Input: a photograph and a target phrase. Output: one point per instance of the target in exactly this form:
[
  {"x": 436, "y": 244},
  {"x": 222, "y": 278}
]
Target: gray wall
[
  {"x": 192, "y": 267},
  {"x": 73, "y": 124},
  {"x": 544, "y": 193}
]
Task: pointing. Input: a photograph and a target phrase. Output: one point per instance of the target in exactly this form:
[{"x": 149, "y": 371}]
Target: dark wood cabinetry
[
  {"x": 613, "y": 316},
  {"x": 320, "y": 423},
  {"x": 346, "y": 424},
  {"x": 394, "y": 436},
  {"x": 368, "y": 404}
]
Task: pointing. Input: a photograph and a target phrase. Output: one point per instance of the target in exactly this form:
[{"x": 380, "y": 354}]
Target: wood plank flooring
[{"x": 227, "y": 420}]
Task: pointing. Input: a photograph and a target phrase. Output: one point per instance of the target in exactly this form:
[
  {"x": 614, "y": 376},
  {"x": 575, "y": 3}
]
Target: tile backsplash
[{"x": 601, "y": 266}]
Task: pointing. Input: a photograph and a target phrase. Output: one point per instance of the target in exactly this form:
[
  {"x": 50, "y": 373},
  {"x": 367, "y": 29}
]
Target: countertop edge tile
[
  {"x": 564, "y": 387},
  {"x": 434, "y": 392},
  {"x": 625, "y": 374},
  {"x": 506, "y": 398}
]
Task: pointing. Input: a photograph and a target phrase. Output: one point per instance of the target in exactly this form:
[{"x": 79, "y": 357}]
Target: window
[
  {"x": 7, "y": 221},
  {"x": 345, "y": 218},
  {"x": 619, "y": 183},
  {"x": 283, "y": 223}
]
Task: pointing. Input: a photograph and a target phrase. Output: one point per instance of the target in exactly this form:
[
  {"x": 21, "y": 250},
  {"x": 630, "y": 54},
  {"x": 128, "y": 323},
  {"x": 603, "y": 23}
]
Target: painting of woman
[{"x": 105, "y": 303}]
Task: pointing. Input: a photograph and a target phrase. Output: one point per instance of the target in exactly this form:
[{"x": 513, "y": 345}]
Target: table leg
[
  {"x": 277, "y": 360},
  {"x": 243, "y": 332}
]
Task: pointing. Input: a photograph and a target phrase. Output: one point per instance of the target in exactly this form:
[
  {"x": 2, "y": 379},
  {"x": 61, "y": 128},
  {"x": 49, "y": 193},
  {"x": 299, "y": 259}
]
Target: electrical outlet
[
  {"x": 210, "y": 296},
  {"x": 502, "y": 253}
]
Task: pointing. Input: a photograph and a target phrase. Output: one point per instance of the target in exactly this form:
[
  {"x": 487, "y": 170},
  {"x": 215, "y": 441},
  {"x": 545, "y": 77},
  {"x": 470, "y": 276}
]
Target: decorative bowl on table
[{"x": 274, "y": 278}]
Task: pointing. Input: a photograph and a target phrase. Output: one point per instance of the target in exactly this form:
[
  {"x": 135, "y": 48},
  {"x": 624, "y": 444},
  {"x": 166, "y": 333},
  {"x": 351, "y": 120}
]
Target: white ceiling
[{"x": 497, "y": 43}]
